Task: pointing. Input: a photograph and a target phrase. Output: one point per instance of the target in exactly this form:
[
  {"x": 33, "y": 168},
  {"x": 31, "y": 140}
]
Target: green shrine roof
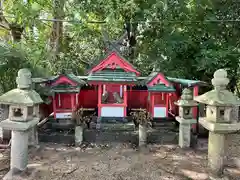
[
  {"x": 23, "y": 97},
  {"x": 186, "y": 82},
  {"x": 113, "y": 76},
  {"x": 70, "y": 76},
  {"x": 149, "y": 78},
  {"x": 65, "y": 88},
  {"x": 161, "y": 88},
  {"x": 140, "y": 80}
]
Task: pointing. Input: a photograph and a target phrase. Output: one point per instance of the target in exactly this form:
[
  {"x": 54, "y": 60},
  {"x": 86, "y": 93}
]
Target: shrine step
[
  {"x": 162, "y": 136},
  {"x": 59, "y": 124},
  {"x": 168, "y": 124},
  {"x": 113, "y": 120},
  {"x": 61, "y": 137},
  {"x": 119, "y": 126},
  {"x": 98, "y": 136},
  {"x": 154, "y": 136}
]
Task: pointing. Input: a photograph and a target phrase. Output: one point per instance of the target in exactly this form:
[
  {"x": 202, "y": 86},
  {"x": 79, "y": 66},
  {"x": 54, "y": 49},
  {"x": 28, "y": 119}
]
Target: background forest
[{"x": 181, "y": 38}]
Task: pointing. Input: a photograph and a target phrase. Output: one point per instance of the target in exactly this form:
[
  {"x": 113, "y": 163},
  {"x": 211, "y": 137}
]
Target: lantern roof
[
  {"x": 23, "y": 94},
  {"x": 219, "y": 96},
  {"x": 21, "y": 97},
  {"x": 186, "y": 99}
]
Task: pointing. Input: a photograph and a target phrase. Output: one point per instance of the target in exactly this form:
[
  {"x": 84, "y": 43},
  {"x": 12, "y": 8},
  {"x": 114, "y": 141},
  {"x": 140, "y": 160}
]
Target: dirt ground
[{"x": 116, "y": 162}]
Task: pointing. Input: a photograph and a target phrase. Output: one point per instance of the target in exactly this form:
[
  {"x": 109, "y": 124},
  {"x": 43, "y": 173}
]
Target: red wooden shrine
[
  {"x": 114, "y": 87},
  {"x": 112, "y": 76},
  {"x": 66, "y": 88}
]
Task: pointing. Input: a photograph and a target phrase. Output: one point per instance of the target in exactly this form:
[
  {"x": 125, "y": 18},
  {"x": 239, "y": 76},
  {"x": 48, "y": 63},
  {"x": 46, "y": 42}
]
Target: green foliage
[{"x": 182, "y": 38}]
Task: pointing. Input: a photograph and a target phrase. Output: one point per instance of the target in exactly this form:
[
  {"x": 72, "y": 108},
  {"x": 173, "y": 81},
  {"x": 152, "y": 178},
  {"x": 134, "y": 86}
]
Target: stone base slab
[
  {"x": 223, "y": 128},
  {"x": 186, "y": 121},
  {"x": 18, "y": 126}
]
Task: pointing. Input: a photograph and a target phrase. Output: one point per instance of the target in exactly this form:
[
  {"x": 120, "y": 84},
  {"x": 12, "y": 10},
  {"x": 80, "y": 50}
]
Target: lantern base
[
  {"x": 222, "y": 128},
  {"x": 18, "y": 126}
]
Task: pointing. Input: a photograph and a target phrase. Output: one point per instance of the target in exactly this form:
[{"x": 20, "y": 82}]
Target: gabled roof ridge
[
  {"x": 154, "y": 75},
  {"x": 121, "y": 59},
  {"x": 75, "y": 78}
]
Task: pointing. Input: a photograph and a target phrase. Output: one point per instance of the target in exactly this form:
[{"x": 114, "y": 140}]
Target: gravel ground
[{"x": 116, "y": 162}]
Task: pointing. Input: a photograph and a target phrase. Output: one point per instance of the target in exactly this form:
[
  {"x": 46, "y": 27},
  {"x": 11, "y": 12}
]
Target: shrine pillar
[
  {"x": 125, "y": 99},
  {"x": 99, "y": 99}
]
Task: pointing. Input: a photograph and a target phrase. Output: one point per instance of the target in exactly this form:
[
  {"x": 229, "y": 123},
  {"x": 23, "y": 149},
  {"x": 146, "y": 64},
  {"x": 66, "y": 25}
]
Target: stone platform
[{"x": 112, "y": 131}]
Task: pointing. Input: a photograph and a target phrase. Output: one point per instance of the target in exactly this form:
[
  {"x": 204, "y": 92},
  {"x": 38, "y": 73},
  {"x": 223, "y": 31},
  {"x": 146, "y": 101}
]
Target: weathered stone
[
  {"x": 23, "y": 116},
  {"x": 219, "y": 119},
  {"x": 185, "y": 131},
  {"x": 216, "y": 155},
  {"x": 18, "y": 126},
  {"x": 19, "y": 150},
  {"x": 219, "y": 96},
  {"x": 78, "y": 135},
  {"x": 142, "y": 135},
  {"x": 185, "y": 118},
  {"x": 223, "y": 128}
]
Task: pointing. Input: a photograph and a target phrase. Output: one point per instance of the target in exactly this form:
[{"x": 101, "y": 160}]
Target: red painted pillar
[
  {"x": 152, "y": 104},
  {"x": 148, "y": 100},
  {"x": 130, "y": 94},
  {"x": 72, "y": 100},
  {"x": 54, "y": 106},
  {"x": 99, "y": 99},
  {"x": 125, "y": 99},
  {"x": 167, "y": 103},
  {"x": 194, "y": 110},
  {"x": 195, "y": 93},
  {"x": 77, "y": 98}
]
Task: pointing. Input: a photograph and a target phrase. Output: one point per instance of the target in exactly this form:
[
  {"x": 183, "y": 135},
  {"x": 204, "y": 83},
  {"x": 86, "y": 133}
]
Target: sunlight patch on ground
[
  {"x": 178, "y": 157},
  {"x": 194, "y": 175}
]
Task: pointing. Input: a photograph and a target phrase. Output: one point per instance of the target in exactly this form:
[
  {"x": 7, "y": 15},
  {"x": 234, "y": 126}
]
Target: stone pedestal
[
  {"x": 142, "y": 135},
  {"x": 19, "y": 150},
  {"x": 218, "y": 132},
  {"x": 216, "y": 152},
  {"x": 185, "y": 126},
  {"x": 78, "y": 135},
  {"x": 19, "y": 145}
]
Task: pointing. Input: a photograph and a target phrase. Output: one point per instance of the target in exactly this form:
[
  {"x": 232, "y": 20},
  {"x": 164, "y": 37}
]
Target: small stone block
[{"x": 184, "y": 135}]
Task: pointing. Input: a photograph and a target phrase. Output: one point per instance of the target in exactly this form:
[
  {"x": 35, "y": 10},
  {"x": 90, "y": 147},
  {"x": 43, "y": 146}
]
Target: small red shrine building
[
  {"x": 114, "y": 87},
  {"x": 66, "y": 89},
  {"x": 112, "y": 76},
  {"x": 160, "y": 91}
]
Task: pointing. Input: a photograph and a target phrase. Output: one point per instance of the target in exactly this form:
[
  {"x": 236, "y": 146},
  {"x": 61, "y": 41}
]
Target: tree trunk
[
  {"x": 14, "y": 29},
  {"x": 16, "y": 32},
  {"x": 78, "y": 135},
  {"x": 56, "y": 37},
  {"x": 142, "y": 135}
]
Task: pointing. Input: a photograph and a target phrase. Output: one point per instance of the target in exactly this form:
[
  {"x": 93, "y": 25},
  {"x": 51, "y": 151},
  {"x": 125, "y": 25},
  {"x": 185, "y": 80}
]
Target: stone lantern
[
  {"x": 219, "y": 121},
  {"x": 23, "y": 116},
  {"x": 185, "y": 118}
]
